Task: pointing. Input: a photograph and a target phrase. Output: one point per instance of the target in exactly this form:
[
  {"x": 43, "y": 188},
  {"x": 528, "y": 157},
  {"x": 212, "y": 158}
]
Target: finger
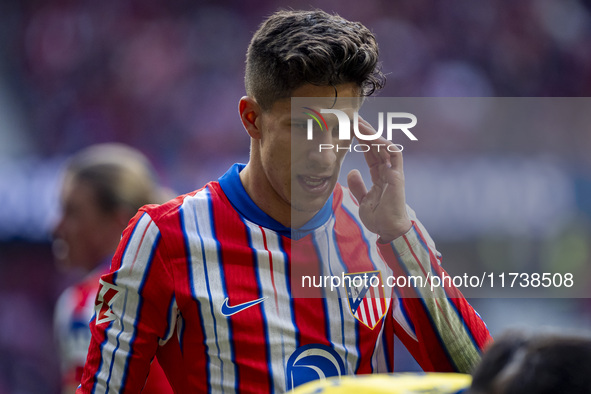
[
  {"x": 396, "y": 162},
  {"x": 378, "y": 153},
  {"x": 356, "y": 185},
  {"x": 366, "y": 128}
]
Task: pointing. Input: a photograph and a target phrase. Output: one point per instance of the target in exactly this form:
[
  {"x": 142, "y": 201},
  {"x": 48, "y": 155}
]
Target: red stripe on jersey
[
  {"x": 250, "y": 344},
  {"x": 366, "y": 340},
  {"x": 308, "y": 304},
  {"x": 178, "y": 373},
  {"x": 347, "y": 234},
  {"x": 474, "y": 323},
  {"x": 479, "y": 331},
  {"x": 151, "y": 320},
  {"x": 179, "y": 357},
  {"x": 409, "y": 342},
  {"x": 388, "y": 338},
  {"x": 431, "y": 356}
]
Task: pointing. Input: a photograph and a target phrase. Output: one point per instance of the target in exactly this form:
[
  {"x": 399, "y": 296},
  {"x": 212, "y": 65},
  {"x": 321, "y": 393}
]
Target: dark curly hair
[
  {"x": 535, "y": 363},
  {"x": 292, "y": 48}
]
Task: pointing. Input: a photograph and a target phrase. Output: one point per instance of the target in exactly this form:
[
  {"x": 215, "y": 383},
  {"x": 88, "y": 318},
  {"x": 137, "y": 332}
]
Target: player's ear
[{"x": 250, "y": 112}]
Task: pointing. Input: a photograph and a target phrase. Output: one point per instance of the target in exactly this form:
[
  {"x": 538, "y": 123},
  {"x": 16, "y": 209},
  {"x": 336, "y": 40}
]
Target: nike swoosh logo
[{"x": 228, "y": 310}]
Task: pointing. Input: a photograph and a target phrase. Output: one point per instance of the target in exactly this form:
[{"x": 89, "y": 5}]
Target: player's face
[
  {"x": 84, "y": 231},
  {"x": 299, "y": 172}
]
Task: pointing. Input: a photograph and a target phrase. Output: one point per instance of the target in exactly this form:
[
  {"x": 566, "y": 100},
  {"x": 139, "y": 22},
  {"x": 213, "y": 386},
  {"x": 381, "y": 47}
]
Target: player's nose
[
  {"x": 323, "y": 150},
  {"x": 323, "y": 155}
]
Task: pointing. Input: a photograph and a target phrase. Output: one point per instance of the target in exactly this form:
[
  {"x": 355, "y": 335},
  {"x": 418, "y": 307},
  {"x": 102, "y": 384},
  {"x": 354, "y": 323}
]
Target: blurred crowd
[{"x": 166, "y": 76}]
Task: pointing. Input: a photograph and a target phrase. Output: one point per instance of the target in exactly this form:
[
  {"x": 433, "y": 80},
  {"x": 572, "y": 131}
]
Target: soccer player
[
  {"x": 206, "y": 281},
  {"x": 104, "y": 186}
]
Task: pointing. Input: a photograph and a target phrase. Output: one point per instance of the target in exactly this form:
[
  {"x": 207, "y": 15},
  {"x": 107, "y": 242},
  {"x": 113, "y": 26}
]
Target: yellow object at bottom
[{"x": 397, "y": 383}]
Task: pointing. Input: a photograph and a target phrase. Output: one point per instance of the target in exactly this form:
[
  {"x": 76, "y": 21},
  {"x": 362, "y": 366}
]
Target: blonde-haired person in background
[{"x": 103, "y": 187}]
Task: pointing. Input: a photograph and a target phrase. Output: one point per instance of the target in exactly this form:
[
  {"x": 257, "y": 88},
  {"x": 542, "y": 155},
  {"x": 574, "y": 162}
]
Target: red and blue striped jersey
[{"x": 211, "y": 285}]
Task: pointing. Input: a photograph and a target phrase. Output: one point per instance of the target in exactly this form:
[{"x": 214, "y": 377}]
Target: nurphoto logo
[{"x": 345, "y": 123}]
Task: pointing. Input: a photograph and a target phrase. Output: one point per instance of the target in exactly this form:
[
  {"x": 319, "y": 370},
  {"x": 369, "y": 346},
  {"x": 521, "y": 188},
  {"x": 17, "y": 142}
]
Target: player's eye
[{"x": 299, "y": 125}]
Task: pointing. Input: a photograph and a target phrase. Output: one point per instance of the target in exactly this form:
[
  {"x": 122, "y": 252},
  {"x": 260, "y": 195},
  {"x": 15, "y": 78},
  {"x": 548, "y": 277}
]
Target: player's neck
[{"x": 266, "y": 198}]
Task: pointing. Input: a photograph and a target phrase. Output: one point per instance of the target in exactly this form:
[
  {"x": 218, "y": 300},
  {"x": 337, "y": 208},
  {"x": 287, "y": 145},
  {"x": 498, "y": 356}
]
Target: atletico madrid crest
[{"x": 366, "y": 297}]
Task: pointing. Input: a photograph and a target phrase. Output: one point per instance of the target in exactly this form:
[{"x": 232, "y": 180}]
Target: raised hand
[{"x": 382, "y": 209}]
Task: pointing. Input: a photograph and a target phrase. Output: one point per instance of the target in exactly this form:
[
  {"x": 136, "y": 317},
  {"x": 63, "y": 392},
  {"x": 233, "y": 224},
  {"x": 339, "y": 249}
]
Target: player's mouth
[{"x": 314, "y": 184}]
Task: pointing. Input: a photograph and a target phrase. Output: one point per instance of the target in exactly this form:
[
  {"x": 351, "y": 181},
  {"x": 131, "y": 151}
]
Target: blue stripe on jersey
[
  {"x": 181, "y": 333},
  {"x": 261, "y": 295},
  {"x": 139, "y": 310},
  {"x": 224, "y": 291},
  {"x": 433, "y": 326},
  {"x": 170, "y": 326},
  {"x": 193, "y": 294},
  {"x": 340, "y": 259}
]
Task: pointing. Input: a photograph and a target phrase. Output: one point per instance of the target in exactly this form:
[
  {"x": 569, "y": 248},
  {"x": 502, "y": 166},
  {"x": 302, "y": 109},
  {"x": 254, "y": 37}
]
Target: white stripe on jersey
[
  {"x": 362, "y": 312},
  {"x": 137, "y": 257},
  {"x": 375, "y": 294},
  {"x": 372, "y": 315},
  {"x": 207, "y": 280},
  {"x": 277, "y": 305}
]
